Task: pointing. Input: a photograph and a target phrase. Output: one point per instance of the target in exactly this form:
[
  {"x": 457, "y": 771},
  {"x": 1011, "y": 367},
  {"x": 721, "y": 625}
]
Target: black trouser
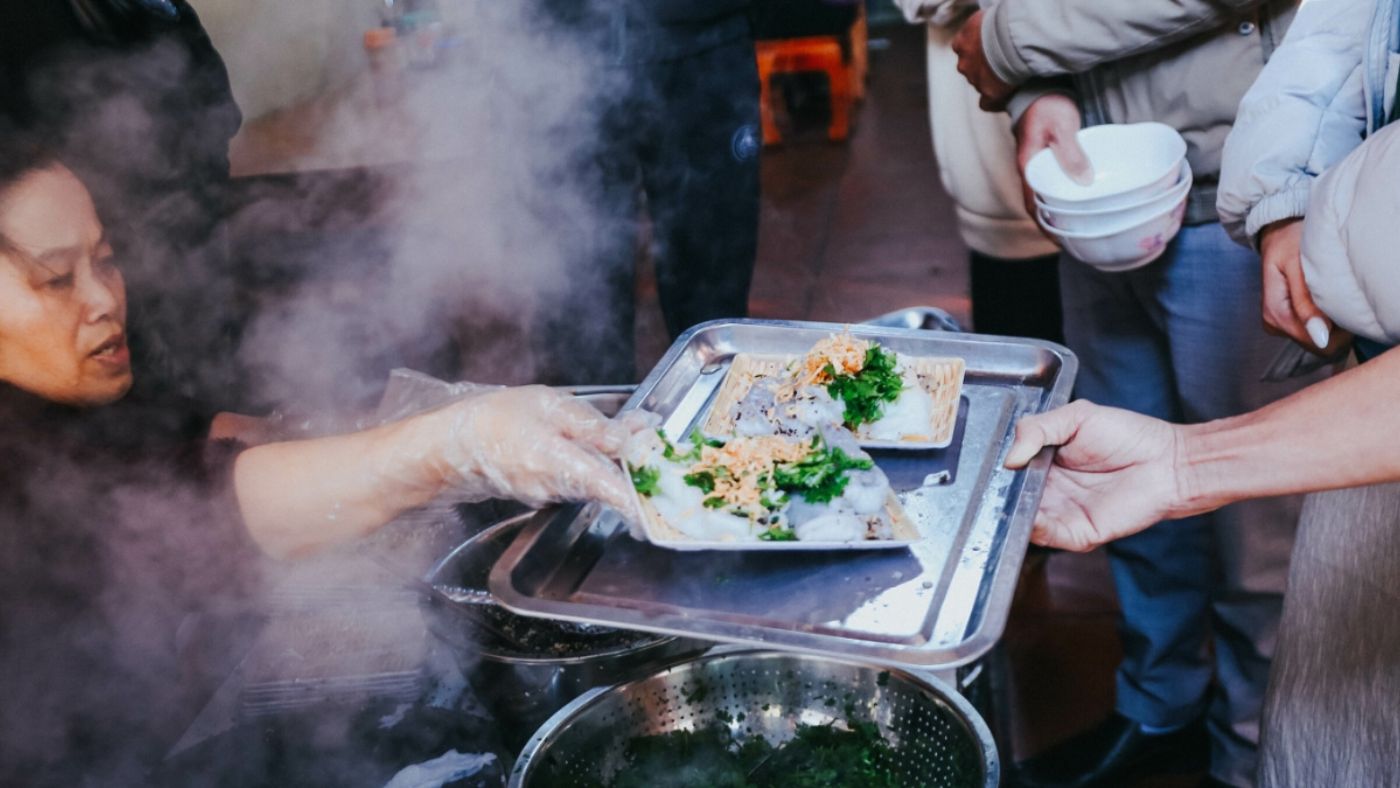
[
  {"x": 685, "y": 140},
  {"x": 1017, "y": 298}
]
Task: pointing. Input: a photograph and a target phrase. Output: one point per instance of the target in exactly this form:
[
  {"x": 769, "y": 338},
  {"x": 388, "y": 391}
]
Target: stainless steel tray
[{"x": 939, "y": 604}]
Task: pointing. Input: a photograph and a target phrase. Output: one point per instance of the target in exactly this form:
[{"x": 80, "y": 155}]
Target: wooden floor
[{"x": 850, "y": 231}]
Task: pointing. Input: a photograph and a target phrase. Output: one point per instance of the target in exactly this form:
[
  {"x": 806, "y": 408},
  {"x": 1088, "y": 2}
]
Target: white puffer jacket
[
  {"x": 1351, "y": 258},
  {"x": 1330, "y": 83}
]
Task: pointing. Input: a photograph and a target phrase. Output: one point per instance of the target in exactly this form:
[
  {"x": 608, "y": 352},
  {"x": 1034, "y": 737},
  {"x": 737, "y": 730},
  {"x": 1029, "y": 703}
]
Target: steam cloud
[
  {"x": 469, "y": 248},
  {"x": 486, "y": 234}
]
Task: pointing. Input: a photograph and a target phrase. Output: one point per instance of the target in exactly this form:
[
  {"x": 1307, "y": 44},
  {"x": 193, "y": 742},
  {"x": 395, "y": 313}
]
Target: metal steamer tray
[{"x": 940, "y": 603}]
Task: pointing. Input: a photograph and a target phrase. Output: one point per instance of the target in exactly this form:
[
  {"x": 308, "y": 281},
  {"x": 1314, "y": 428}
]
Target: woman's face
[{"x": 62, "y": 299}]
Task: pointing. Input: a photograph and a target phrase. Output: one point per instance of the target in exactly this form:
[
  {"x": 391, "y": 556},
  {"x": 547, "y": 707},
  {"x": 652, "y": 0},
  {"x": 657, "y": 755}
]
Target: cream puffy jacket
[
  {"x": 1185, "y": 63},
  {"x": 1350, "y": 257},
  {"x": 976, "y": 151}
]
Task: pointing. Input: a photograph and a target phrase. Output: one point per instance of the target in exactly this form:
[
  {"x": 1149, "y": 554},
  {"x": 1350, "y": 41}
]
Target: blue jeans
[{"x": 1181, "y": 339}]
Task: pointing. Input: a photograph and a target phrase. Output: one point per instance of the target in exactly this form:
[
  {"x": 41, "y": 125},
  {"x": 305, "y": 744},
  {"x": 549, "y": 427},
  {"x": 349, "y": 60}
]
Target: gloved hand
[{"x": 530, "y": 444}]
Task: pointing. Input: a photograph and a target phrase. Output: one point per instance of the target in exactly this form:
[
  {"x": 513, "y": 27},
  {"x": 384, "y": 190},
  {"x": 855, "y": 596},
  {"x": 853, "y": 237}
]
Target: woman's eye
[{"x": 59, "y": 282}]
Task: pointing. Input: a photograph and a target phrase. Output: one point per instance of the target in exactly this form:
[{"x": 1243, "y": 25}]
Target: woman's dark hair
[
  {"x": 21, "y": 155},
  {"x": 118, "y": 21}
]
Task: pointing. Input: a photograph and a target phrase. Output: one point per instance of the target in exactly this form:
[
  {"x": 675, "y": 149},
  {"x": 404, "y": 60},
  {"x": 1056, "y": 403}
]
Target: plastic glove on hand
[{"x": 531, "y": 444}]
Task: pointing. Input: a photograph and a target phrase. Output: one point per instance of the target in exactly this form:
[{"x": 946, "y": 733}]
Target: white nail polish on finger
[{"x": 1318, "y": 332}]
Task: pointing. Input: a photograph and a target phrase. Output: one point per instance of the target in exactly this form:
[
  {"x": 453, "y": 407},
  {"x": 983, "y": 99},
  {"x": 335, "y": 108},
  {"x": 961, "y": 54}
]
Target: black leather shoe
[{"x": 1113, "y": 753}]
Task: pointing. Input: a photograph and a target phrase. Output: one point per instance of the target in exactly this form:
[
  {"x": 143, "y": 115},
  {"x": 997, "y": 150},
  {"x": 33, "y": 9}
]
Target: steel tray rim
[{"x": 995, "y": 590}]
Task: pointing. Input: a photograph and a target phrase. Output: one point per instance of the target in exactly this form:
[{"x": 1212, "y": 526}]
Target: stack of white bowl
[{"x": 1132, "y": 209}]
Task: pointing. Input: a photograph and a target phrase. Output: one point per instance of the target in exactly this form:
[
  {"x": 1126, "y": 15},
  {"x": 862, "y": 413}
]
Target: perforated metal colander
[{"x": 939, "y": 739}]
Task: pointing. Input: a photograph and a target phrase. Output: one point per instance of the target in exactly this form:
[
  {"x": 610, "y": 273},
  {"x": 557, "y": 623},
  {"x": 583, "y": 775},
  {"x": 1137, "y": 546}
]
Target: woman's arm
[
  {"x": 1117, "y": 473},
  {"x": 245, "y": 430},
  {"x": 1338, "y": 433},
  {"x": 530, "y": 444},
  {"x": 1012, "y": 42},
  {"x": 1025, "y": 39}
]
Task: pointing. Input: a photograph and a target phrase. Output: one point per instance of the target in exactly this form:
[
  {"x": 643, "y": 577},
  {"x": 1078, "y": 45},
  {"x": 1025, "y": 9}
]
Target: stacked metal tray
[{"x": 941, "y": 603}]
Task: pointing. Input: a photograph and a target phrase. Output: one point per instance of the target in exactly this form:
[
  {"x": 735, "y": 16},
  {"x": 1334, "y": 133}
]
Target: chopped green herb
[
  {"x": 819, "y": 756},
  {"x": 705, "y": 480},
  {"x": 696, "y": 695},
  {"x": 820, "y": 477},
  {"x": 646, "y": 479},
  {"x": 670, "y": 452},
  {"x": 698, "y": 442},
  {"x": 866, "y": 392}
]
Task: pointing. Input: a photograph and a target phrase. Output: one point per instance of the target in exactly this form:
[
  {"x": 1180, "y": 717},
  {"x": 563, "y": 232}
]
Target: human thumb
[
  {"x": 1072, "y": 159},
  {"x": 1034, "y": 433}
]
